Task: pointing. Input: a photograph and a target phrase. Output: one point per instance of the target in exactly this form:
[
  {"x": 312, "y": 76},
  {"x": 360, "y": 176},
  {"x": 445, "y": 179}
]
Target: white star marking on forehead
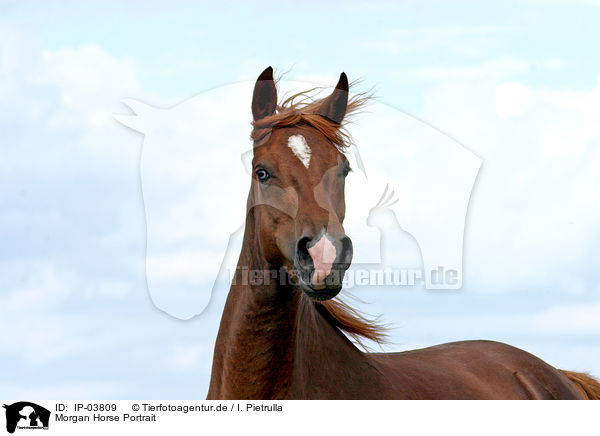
[{"x": 300, "y": 148}]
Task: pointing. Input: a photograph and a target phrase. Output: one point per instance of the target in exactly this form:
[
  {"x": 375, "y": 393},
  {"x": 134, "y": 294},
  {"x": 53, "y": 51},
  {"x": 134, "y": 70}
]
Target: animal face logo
[
  {"x": 26, "y": 415},
  {"x": 196, "y": 165}
]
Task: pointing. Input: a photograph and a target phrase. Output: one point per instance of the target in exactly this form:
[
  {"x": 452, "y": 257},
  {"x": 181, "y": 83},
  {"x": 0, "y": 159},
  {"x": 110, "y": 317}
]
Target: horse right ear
[
  {"x": 264, "y": 99},
  {"x": 334, "y": 107}
]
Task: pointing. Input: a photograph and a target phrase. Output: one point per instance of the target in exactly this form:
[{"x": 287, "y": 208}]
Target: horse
[{"x": 284, "y": 334}]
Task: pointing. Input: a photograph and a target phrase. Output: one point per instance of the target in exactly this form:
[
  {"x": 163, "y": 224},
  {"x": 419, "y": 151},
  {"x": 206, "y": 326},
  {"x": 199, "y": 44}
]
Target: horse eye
[
  {"x": 262, "y": 175},
  {"x": 346, "y": 170}
]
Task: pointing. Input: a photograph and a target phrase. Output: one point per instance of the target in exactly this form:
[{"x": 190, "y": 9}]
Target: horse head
[{"x": 297, "y": 189}]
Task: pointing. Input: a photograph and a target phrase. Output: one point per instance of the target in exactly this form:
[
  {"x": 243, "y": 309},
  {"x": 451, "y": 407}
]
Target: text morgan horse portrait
[{"x": 287, "y": 338}]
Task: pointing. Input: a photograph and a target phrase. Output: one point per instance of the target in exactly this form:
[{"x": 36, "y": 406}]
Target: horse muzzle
[{"x": 321, "y": 263}]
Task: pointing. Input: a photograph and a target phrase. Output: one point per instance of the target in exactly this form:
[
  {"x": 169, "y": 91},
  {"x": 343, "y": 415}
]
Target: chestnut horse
[{"x": 283, "y": 336}]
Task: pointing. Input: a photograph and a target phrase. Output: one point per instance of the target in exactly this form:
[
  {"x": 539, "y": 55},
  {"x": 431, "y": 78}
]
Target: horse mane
[
  {"x": 350, "y": 321},
  {"x": 302, "y": 109}
]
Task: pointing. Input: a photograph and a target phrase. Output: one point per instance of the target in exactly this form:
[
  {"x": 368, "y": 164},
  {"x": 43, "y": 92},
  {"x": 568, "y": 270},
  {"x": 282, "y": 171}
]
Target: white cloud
[
  {"x": 33, "y": 292},
  {"x": 41, "y": 285},
  {"x": 512, "y": 99},
  {"x": 535, "y": 222},
  {"x": 532, "y": 223},
  {"x": 493, "y": 69},
  {"x": 91, "y": 81}
]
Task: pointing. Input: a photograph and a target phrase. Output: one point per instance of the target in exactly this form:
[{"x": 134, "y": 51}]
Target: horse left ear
[
  {"x": 264, "y": 99},
  {"x": 334, "y": 106}
]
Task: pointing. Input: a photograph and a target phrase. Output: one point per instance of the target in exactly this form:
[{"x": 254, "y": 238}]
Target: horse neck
[{"x": 272, "y": 342}]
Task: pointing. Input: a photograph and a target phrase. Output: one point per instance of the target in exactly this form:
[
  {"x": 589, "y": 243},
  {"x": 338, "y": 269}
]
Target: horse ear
[
  {"x": 334, "y": 106},
  {"x": 264, "y": 99}
]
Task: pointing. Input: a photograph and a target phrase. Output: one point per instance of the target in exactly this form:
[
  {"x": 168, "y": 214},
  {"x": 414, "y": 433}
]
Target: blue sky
[{"x": 515, "y": 82}]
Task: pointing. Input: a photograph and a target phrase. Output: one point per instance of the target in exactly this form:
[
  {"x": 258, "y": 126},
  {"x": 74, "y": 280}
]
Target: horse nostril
[
  {"x": 345, "y": 257},
  {"x": 303, "y": 257}
]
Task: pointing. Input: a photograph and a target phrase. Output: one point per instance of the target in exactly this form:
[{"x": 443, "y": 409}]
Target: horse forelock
[{"x": 299, "y": 109}]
